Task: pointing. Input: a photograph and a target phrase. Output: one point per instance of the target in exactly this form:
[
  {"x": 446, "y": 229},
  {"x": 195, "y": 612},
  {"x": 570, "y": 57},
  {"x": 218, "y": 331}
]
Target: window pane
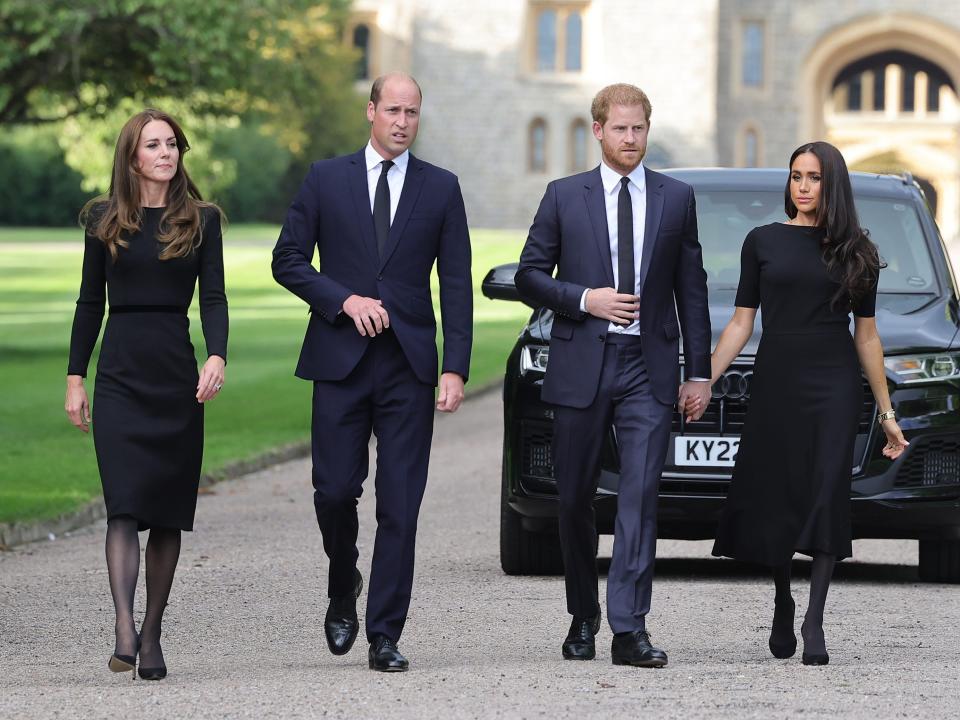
[
  {"x": 538, "y": 146},
  {"x": 361, "y": 41},
  {"x": 909, "y": 87},
  {"x": 750, "y": 149},
  {"x": 752, "y": 59},
  {"x": 574, "y": 42},
  {"x": 725, "y": 217},
  {"x": 933, "y": 96},
  {"x": 879, "y": 87},
  {"x": 547, "y": 40},
  {"x": 855, "y": 93},
  {"x": 578, "y": 146}
]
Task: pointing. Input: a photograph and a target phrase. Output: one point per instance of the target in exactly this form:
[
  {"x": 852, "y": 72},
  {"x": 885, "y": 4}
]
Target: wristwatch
[{"x": 888, "y": 415}]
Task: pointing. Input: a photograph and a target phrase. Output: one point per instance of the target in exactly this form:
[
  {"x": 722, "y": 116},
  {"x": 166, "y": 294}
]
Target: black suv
[{"x": 916, "y": 496}]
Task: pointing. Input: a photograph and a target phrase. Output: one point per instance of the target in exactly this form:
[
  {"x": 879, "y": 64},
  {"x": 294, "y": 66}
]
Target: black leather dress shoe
[
  {"x": 634, "y": 648},
  {"x": 580, "y": 644},
  {"x": 340, "y": 624},
  {"x": 384, "y": 656}
]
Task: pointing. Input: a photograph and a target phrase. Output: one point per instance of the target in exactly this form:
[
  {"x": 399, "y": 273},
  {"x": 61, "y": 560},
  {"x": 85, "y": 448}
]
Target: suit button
[
  {"x": 601, "y": 338},
  {"x": 379, "y": 277}
]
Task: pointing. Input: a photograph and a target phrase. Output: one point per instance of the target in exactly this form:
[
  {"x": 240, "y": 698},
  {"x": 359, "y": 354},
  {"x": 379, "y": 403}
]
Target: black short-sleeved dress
[
  {"x": 791, "y": 483},
  {"x": 147, "y": 423}
]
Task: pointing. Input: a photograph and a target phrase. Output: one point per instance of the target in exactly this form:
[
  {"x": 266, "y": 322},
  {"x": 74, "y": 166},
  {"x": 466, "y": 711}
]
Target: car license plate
[{"x": 705, "y": 451}]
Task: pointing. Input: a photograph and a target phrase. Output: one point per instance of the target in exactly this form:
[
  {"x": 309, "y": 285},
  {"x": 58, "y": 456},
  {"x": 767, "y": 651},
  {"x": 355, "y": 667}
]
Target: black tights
[
  {"x": 821, "y": 571},
  {"x": 123, "y": 566}
]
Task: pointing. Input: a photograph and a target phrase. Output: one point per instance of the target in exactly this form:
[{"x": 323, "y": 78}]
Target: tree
[{"x": 61, "y": 58}]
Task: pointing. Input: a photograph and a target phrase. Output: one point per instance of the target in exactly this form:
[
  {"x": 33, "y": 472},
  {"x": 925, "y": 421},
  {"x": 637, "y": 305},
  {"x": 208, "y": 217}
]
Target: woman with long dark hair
[
  {"x": 148, "y": 243},
  {"x": 791, "y": 483}
]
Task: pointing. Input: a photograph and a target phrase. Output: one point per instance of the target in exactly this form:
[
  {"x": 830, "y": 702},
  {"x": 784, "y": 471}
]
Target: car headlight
[
  {"x": 911, "y": 369},
  {"x": 534, "y": 357}
]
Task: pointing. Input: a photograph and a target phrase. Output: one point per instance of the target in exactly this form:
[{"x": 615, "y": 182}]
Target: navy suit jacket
[
  {"x": 569, "y": 234},
  {"x": 331, "y": 213}
]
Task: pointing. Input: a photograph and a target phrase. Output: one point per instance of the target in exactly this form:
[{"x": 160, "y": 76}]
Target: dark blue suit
[
  {"x": 595, "y": 380},
  {"x": 384, "y": 385}
]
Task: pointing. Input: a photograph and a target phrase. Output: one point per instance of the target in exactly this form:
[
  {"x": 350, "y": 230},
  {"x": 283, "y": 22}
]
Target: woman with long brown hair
[
  {"x": 791, "y": 483},
  {"x": 148, "y": 243}
]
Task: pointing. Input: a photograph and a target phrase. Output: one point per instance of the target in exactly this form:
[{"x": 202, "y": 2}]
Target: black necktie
[
  {"x": 381, "y": 208},
  {"x": 626, "y": 279}
]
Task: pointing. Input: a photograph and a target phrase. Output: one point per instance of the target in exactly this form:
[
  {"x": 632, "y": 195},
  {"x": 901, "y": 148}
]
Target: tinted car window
[{"x": 725, "y": 218}]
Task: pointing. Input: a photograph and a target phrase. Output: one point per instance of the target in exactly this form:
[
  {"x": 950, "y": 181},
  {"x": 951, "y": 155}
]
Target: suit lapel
[
  {"x": 597, "y": 210},
  {"x": 357, "y": 181},
  {"x": 651, "y": 227},
  {"x": 412, "y": 184}
]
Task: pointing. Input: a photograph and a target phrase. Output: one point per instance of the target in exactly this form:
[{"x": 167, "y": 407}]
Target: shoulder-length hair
[
  {"x": 849, "y": 254},
  {"x": 109, "y": 217}
]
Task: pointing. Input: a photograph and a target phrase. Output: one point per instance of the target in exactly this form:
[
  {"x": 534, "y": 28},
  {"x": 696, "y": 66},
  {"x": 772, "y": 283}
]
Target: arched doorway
[{"x": 884, "y": 90}]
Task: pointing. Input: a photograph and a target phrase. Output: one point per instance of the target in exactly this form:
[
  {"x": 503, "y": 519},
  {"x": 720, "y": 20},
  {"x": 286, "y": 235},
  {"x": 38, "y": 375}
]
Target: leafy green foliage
[
  {"x": 60, "y": 58},
  {"x": 261, "y": 88},
  {"x": 36, "y": 186}
]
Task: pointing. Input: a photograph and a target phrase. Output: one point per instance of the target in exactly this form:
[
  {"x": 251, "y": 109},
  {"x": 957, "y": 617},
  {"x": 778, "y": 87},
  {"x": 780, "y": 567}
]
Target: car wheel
[
  {"x": 523, "y": 552},
  {"x": 940, "y": 561}
]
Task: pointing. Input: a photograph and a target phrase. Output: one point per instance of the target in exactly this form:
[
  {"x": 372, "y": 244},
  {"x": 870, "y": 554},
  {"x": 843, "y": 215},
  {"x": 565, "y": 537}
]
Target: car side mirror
[{"x": 498, "y": 283}]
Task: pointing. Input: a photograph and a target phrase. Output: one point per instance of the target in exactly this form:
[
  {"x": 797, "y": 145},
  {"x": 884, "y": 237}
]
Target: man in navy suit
[
  {"x": 379, "y": 219},
  {"x": 623, "y": 240}
]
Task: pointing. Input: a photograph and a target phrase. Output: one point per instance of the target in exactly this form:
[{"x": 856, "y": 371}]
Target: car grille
[
  {"x": 725, "y": 415},
  {"x": 932, "y": 461}
]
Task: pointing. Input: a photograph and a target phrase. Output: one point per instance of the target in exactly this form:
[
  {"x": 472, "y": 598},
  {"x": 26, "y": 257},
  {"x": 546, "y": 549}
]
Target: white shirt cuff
[{"x": 583, "y": 300}]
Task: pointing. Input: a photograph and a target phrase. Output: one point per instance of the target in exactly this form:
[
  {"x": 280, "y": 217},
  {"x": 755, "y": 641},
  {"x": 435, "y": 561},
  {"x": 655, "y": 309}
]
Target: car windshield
[{"x": 725, "y": 217}]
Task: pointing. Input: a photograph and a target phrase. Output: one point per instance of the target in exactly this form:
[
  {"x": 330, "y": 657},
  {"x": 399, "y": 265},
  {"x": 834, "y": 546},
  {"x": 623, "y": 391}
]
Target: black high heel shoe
[
  {"x": 813, "y": 658},
  {"x": 152, "y": 673},
  {"x": 124, "y": 663},
  {"x": 781, "y": 646}
]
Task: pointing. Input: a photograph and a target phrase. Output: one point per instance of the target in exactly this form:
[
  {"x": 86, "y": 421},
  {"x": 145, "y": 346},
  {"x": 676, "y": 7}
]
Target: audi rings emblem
[{"x": 733, "y": 385}]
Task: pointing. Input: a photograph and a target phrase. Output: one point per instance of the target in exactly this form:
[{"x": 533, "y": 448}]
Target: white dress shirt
[{"x": 395, "y": 176}]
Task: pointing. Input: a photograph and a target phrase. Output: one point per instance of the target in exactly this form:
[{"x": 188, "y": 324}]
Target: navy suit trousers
[
  {"x": 642, "y": 426},
  {"x": 383, "y": 396}
]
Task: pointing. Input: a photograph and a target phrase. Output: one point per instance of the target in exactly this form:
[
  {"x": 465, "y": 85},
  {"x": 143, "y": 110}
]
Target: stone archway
[{"x": 927, "y": 144}]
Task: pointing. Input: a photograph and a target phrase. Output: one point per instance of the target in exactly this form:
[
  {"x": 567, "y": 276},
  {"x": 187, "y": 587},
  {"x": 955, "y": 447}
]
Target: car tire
[
  {"x": 524, "y": 552},
  {"x": 940, "y": 561}
]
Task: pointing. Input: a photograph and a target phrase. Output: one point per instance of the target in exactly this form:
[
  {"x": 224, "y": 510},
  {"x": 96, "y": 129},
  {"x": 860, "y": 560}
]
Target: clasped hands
[{"x": 371, "y": 318}]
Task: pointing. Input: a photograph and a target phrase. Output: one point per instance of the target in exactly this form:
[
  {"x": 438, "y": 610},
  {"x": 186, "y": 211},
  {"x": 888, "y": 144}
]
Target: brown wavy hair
[
  {"x": 847, "y": 251},
  {"x": 118, "y": 213}
]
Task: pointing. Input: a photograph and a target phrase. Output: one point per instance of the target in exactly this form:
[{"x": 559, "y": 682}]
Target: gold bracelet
[{"x": 888, "y": 415}]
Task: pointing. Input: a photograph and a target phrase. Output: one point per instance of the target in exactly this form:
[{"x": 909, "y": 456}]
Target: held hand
[
  {"x": 76, "y": 404},
  {"x": 895, "y": 442},
  {"x": 610, "y": 305},
  {"x": 368, "y": 314},
  {"x": 450, "y": 393},
  {"x": 693, "y": 399},
  {"x": 211, "y": 378}
]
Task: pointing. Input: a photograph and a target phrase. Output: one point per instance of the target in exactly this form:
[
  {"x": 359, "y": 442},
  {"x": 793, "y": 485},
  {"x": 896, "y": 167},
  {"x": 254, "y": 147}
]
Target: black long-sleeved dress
[
  {"x": 147, "y": 423},
  {"x": 791, "y": 484}
]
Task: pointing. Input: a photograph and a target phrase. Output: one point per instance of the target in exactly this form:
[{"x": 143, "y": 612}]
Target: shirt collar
[
  {"x": 611, "y": 178},
  {"x": 374, "y": 158}
]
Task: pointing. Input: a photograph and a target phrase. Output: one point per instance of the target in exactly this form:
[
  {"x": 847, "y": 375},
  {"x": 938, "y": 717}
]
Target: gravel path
[{"x": 244, "y": 637}]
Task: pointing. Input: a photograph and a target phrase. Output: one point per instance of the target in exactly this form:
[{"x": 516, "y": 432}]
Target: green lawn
[{"x": 48, "y": 467}]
